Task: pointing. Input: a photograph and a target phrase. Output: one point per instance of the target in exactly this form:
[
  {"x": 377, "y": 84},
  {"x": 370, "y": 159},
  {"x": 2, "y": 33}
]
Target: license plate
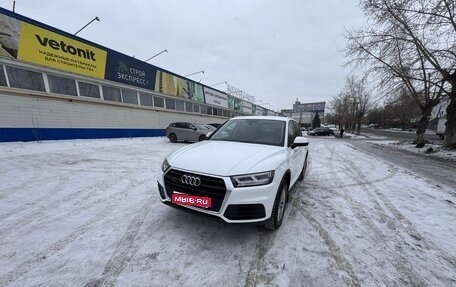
[{"x": 185, "y": 199}]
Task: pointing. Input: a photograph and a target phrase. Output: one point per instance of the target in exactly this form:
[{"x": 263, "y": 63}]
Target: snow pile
[{"x": 430, "y": 150}]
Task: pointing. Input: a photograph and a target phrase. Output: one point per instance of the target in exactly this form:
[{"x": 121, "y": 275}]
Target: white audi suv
[{"x": 241, "y": 174}]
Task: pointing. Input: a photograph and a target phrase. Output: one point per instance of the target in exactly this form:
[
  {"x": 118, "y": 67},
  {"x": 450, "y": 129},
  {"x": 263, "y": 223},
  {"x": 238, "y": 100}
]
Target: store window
[
  {"x": 62, "y": 85},
  {"x": 180, "y": 105},
  {"x": 170, "y": 104},
  {"x": 129, "y": 97},
  {"x": 188, "y": 107},
  {"x": 2, "y": 77},
  {"x": 88, "y": 90},
  {"x": 159, "y": 102},
  {"x": 24, "y": 79},
  {"x": 111, "y": 94},
  {"x": 145, "y": 100},
  {"x": 217, "y": 112},
  {"x": 196, "y": 108}
]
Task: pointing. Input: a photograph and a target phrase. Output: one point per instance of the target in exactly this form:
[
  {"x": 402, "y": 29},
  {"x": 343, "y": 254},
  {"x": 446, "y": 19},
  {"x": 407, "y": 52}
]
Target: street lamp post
[
  {"x": 194, "y": 73},
  {"x": 157, "y": 55},
  {"x": 224, "y": 82},
  {"x": 96, "y": 18}
]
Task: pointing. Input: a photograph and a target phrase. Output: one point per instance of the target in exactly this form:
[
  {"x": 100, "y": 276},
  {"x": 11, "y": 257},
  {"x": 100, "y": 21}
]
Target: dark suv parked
[{"x": 322, "y": 131}]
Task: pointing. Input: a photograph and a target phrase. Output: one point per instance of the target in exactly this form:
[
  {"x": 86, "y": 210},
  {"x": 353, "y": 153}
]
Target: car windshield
[
  {"x": 201, "y": 127},
  {"x": 258, "y": 131}
]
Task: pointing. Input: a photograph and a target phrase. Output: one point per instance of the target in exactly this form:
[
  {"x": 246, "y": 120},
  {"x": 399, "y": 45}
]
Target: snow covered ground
[{"x": 87, "y": 213}]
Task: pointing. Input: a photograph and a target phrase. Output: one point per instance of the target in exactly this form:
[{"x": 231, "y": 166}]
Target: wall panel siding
[{"x": 30, "y": 117}]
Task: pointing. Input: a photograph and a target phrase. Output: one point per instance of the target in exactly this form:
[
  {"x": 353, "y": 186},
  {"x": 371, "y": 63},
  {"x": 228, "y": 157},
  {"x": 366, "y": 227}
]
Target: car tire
[
  {"x": 172, "y": 138},
  {"x": 278, "y": 209},
  {"x": 201, "y": 138},
  {"x": 303, "y": 171}
]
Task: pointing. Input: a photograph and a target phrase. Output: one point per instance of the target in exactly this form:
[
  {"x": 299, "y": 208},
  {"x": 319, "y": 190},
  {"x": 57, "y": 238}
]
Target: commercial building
[
  {"x": 54, "y": 85},
  {"x": 304, "y": 113}
]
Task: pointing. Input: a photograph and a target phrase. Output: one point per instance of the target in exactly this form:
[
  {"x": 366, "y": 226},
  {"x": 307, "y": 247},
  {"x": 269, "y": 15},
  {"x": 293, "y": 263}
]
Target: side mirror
[
  {"x": 194, "y": 129},
  {"x": 299, "y": 141}
]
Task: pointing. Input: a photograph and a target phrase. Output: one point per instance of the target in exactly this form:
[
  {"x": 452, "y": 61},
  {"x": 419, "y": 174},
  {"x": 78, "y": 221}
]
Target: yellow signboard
[{"x": 53, "y": 50}]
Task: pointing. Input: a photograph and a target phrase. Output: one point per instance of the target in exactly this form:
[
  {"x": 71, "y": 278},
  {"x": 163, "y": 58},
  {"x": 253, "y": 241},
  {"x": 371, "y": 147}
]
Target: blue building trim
[{"x": 39, "y": 134}]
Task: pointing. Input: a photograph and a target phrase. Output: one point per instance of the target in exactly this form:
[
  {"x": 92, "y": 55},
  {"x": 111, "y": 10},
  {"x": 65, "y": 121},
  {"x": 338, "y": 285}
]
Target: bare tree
[
  {"x": 423, "y": 32},
  {"x": 340, "y": 107},
  {"x": 395, "y": 58},
  {"x": 351, "y": 105},
  {"x": 356, "y": 92},
  {"x": 402, "y": 106}
]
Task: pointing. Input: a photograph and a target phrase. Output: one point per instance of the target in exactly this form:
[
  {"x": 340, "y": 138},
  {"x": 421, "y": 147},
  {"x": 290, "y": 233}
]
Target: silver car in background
[{"x": 186, "y": 131}]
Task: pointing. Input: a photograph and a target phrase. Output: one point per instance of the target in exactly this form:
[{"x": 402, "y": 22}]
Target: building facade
[
  {"x": 54, "y": 85},
  {"x": 304, "y": 113}
]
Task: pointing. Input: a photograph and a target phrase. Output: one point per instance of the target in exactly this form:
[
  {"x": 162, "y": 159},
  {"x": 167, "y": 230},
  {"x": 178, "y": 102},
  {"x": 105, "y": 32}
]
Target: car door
[
  {"x": 182, "y": 131},
  {"x": 193, "y": 135},
  {"x": 296, "y": 158},
  {"x": 185, "y": 131},
  {"x": 177, "y": 130}
]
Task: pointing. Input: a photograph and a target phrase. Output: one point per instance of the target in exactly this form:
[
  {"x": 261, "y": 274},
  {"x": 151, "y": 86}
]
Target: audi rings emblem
[{"x": 191, "y": 180}]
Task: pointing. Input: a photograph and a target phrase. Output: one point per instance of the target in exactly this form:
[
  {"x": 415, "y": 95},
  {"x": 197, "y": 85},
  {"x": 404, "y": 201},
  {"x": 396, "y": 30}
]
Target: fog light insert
[
  {"x": 244, "y": 211},
  {"x": 161, "y": 190}
]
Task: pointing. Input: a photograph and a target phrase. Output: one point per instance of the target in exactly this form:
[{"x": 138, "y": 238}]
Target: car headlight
[
  {"x": 253, "y": 179},
  {"x": 165, "y": 165}
]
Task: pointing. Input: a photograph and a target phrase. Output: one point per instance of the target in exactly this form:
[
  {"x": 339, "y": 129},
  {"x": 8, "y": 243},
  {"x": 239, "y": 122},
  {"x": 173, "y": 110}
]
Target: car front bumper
[{"x": 238, "y": 205}]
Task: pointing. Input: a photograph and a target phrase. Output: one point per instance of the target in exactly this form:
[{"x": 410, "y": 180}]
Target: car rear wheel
[
  {"x": 278, "y": 210},
  {"x": 172, "y": 138}
]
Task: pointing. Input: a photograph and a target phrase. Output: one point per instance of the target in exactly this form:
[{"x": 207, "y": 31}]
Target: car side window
[
  {"x": 180, "y": 125},
  {"x": 297, "y": 129},
  {"x": 291, "y": 133},
  {"x": 190, "y": 126}
]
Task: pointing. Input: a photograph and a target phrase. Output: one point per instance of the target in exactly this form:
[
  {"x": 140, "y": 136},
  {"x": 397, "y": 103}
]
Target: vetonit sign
[
  {"x": 43, "y": 47},
  {"x": 45, "y": 42}
]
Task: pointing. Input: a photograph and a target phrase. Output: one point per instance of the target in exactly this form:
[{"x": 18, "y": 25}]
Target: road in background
[
  {"x": 442, "y": 172},
  {"x": 399, "y": 135}
]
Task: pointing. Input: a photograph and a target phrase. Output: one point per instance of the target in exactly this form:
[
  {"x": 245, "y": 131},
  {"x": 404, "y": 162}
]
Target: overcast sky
[{"x": 277, "y": 51}]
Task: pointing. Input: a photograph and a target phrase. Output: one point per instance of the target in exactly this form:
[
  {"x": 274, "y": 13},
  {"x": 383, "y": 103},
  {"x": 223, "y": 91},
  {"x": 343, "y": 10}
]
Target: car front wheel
[
  {"x": 278, "y": 210},
  {"x": 172, "y": 138}
]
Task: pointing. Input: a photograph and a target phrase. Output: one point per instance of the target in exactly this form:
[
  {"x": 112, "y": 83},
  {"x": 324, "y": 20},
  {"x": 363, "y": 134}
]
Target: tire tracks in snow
[
  {"x": 336, "y": 252},
  {"x": 341, "y": 263},
  {"x": 61, "y": 182},
  {"x": 26, "y": 266},
  {"x": 399, "y": 262},
  {"x": 38, "y": 212},
  {"x": 26, "y": 168},
  {"x": 79, "y": 207},
  {"x": 399, "y": 223},
  {"x": 127, "y": 247},
  {"x": 55, "y": 247},
  {"x": 265, "y": 241}
]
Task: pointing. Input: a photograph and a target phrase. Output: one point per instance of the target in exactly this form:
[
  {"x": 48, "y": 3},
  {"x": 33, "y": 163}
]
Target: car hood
[{"x": 225, "y": 158}]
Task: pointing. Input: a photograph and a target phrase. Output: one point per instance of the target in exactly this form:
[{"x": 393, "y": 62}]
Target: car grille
[{"x": 212, "y": 187}]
